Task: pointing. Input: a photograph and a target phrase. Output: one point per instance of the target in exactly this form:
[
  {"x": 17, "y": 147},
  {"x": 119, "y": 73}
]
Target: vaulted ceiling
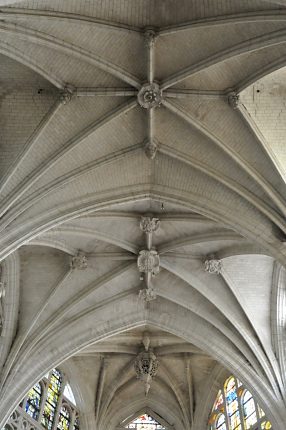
[{"x": 116, "y": 110}]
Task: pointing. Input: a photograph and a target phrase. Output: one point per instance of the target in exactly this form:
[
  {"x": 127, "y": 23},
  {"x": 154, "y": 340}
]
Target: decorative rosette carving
[{"x": 150, "y": 96}]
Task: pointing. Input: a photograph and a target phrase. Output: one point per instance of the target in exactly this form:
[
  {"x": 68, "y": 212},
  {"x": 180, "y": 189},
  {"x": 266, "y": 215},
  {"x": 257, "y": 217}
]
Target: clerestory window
[
  {"x": 49, "y": 405},
  {"x": 144, "y": 422},
  {"x": 236, "y": 409}
]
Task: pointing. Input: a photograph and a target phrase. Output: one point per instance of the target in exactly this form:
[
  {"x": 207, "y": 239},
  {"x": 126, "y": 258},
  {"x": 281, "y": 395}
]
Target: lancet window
[
  {"x": 48, "y": 405},
  {"x": 236, "y": 409},
  {"x": 33, "y": 402},
  {"x": 144, "y": 422}
]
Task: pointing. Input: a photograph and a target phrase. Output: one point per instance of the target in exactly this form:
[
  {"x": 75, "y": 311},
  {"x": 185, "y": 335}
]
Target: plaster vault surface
[{"x": 142, "y": 190}]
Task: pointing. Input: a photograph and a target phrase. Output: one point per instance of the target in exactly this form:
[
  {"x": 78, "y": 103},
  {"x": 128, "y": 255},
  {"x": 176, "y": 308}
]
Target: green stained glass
[
  {"x": 64, "y": 419},
  {"x": 53, "y": 393}
]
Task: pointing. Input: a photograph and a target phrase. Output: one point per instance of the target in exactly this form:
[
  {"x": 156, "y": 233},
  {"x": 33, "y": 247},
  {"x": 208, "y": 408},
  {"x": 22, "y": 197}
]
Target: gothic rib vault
[{"x": 116, "y": 110}]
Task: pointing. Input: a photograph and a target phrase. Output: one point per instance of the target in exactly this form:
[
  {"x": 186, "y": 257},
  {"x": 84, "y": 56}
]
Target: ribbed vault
[{"x": 116, "y": 110}]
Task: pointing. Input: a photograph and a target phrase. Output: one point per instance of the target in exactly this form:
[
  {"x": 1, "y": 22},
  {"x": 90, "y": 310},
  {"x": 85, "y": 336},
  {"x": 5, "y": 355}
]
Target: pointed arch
[
  {"x": 236, "y": 409},
  {"x": 128, "y": 313}
]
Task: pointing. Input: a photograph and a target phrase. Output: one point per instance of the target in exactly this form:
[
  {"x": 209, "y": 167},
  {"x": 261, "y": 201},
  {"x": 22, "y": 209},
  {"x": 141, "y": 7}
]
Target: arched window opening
[
  {"x": 236, "y": 409},
  {"x": 53, "y": 394},
  {"x": 249, "y": 410},
  {"x": 145, "y": 422},
  {"x": 48, "y": 405},
  {"x": 64, "y": 418},
  {"x": 232, "y": 410},
  {"x": 34, "y": 400}
]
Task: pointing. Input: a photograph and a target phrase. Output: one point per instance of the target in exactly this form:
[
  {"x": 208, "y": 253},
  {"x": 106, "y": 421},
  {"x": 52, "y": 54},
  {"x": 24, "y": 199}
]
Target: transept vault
[{"x": 143, "y": 203}]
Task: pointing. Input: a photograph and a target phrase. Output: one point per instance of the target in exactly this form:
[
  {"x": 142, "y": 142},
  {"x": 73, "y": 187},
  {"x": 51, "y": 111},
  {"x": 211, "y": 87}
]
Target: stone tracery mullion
[
  {"x": 121, "y": 92},
  {"x": 235, "y": 362}
]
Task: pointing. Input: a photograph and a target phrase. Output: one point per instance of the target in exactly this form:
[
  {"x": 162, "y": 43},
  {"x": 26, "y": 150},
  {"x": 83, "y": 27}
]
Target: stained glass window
[
  {"x": 220, "y": 422},
  {"x": 51, "y": 403},
  {"x": 76, "y": 423},
  {"x": 33, "y": 403},
  {"x": 235, "y": 409},
  {"x": 53, "y": 393},
  {"x": 145, "y": 422},
  {"x": 230, "y": 392},
  {"x": 219, "y": 401},
  {"x": 249, "y": 410},
  {"x": 64, "y": 418}
]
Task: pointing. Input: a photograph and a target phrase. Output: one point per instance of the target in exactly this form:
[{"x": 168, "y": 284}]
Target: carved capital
[
  {"x": 148, "y": 262},
  {"x": 79, "y": 261},
  {"x": 149, "y": 224},
  {"x": 233, "y": 99},
  {"x": 149, "y": 96},
  {"x": 213, "y": 266}
]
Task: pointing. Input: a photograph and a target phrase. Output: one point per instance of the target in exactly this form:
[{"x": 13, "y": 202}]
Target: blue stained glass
[
  {"x": 33, "y": 403},
  {"x": 52, "y": 399},
  {"x": 235, "y": 417},
  {"x": 231, "y": 396}
]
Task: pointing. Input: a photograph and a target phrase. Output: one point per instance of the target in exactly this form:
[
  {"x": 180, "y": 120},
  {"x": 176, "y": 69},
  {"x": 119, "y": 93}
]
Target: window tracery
[
  {"x": 46, "y": 406},
  {"x": 236, "y": 409},
  {"x": 64, "y": 418},
  {"x": 53, "y": 394},
  {"x": 34, "y": 400},
  {"x": 145, "y": 422}
]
